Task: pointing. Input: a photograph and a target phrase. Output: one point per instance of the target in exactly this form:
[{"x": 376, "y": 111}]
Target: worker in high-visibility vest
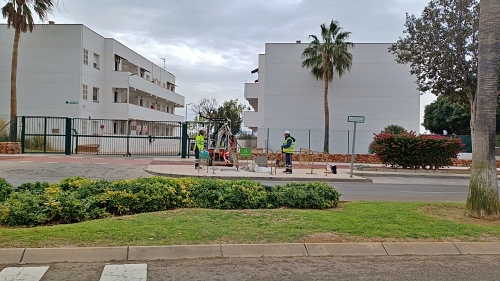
[
  {"x": 287, "y": 148},
  {"x": 199, "y": 145}
]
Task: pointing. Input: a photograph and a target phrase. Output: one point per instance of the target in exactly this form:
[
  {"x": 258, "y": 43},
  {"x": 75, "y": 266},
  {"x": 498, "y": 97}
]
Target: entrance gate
[
  {"x": 100, "y": 136},
  {"x": 45, "y": 134}
]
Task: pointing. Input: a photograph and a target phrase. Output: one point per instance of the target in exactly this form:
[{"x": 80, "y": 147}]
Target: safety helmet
[{"x": 287, "y": 132}]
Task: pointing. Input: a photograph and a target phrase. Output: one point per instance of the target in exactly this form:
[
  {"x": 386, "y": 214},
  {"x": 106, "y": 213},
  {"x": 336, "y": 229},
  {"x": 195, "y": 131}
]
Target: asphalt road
[
  {"x": 383, "y": 188},
  {"x": 415, "y": 268}
]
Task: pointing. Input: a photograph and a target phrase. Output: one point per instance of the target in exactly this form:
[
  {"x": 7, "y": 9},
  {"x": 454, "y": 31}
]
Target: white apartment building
[
  {"x": 68, "y": 70},
  {"x": 285, "y": 96}
]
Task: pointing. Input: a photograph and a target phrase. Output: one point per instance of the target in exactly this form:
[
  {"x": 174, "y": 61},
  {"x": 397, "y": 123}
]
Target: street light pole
[{"x": 186, "y": 105}]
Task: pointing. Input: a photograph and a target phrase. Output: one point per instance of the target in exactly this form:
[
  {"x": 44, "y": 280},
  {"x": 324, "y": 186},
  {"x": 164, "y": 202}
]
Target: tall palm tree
[
  {"x": 327, "y": 57},
  {"x": 19, "y": 15},
  {"x": 483, "y": 200}
]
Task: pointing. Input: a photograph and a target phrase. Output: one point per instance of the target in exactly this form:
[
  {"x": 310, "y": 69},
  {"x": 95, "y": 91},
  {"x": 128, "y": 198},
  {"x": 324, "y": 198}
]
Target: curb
[
  {"x": 409, "y": 175},
  {"x": 262, "y": 178},
  {"x": 149, "y": 253}
]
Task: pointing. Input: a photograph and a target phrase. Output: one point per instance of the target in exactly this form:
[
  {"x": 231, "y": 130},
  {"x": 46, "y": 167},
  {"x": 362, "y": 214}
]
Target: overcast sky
[{"x": 212, "y": 45}]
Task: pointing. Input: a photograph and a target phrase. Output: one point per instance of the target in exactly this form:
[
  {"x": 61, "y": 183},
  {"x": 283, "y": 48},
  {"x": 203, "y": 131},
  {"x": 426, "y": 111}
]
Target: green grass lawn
[{"x": 355, "y": 221}]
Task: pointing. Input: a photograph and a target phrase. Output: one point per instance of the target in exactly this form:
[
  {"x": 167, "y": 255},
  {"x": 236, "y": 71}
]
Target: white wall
[
  {"x": 48, "y": 70},
  {"x": 376, "y": 87}
]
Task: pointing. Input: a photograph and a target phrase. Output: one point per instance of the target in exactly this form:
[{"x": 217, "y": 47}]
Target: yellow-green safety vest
[
  {"x": 291, "y": 148},
  {"x": 200, "y": 142}
]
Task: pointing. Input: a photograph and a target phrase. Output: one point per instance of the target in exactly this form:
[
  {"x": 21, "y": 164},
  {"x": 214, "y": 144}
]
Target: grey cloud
[{"x": 225, "y": 36}]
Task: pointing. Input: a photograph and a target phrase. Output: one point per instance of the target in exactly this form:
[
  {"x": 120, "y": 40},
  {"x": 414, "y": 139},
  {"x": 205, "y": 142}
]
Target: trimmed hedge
[
  {"x": 78, "y": 199},
  {"x": 407, "y": 150}
]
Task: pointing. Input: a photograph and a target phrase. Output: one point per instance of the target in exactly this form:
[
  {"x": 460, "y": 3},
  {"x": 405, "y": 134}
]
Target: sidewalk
[{"x": 145, "y": 253}]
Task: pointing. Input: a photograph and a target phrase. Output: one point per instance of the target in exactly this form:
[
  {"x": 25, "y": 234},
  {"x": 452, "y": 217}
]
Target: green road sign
[{"x": 356, "y": 119}]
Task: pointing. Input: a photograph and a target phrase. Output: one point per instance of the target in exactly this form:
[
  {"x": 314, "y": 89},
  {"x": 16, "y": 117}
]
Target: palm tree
[
  {"x": 482, "y": 200},
  {"x": 327, "y": 57},
  {"x": 19, "y": 15}
]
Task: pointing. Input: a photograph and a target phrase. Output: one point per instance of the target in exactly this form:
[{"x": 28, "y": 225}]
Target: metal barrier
[
  {"x": 44, "y": 134},
  {"x": 126, "y": 137}
]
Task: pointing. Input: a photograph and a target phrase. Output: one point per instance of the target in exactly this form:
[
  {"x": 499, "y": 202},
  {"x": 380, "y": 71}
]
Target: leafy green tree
[
  {"x": 19, "y": 15},
  {"x": 233, "y": 110},
  {"x": 326, "y": 57},
  {"x": 444, "y": 114},
  {"x": 443, "y": 47}
]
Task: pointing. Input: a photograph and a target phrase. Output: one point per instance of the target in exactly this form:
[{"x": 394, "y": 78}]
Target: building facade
[
  {"x": 68, "y": 70},
  {"x": 286, "y": 96}
]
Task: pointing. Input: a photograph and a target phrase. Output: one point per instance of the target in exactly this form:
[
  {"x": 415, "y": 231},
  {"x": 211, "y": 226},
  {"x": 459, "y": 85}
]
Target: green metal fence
[
  {"x": 126, "y": 137},
  {"x": 45, "y": 134}
]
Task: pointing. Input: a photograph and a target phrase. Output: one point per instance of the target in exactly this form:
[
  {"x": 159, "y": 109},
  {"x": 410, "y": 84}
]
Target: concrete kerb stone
[
  {"x": 262, "y": 178},
  {"x": 137, "y": 253},
  {"x": 478, "y": 248},
  {"x": 174, "y": 252},
  {"x": 421, "y": 248},
  {"x": 345, "y": 249},
  {"x": 11, "y": 255},
  {"x": 264, "y": 250},
  {"x": 91, "y": 254}
]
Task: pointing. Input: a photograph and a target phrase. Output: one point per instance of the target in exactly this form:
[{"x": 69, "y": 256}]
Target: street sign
[
  {"x": 144, "y": 129},
  {"x": 356, "y": 119}
]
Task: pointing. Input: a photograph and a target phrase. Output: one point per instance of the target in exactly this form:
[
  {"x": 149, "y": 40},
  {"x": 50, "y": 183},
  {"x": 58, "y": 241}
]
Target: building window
[
  {"x": 85, "y": 91},
  {"x": 85, "y": 57},
  {"x": 97, "y": 62},
  {"x": 147, "y": 104},
  {"x": 95, "y": 95}
]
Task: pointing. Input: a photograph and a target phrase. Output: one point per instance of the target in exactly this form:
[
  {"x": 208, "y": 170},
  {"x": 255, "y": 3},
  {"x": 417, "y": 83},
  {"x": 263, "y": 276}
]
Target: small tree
[
  {"x": 205, "y": 108},
  {"x": 233, "y": 110}
]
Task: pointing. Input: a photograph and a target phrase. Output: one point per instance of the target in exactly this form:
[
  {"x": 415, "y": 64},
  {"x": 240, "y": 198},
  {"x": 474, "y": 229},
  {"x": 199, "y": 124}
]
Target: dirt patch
[{"x": 456, "y": 214}]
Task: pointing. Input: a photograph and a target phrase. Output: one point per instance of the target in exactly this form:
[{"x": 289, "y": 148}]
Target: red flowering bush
[{"x": 407, "y": 150}]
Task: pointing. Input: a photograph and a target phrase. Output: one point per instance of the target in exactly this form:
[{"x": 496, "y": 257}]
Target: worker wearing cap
[
  {"x": 199, "y": 145},
  {"x": 287, "y": 148}
]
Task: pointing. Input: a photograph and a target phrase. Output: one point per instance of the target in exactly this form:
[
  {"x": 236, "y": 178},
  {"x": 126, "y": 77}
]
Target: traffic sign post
[{"x": 355, "y": 120}]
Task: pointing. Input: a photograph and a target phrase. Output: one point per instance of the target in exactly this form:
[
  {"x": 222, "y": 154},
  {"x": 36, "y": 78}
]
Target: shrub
[
  {"x": 407, "y": 150},
  {"x": 37, "y": 143},
  {"x": 77, "y": 199},
  {"x": 5, "y": 189},
  {"x": 391, "y": 129}
]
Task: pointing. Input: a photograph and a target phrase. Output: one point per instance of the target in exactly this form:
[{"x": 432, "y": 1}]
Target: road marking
[
  {"x": 136, "y": 272},
  {"x": 51, "y": 162},
  {"x": 25, "y": 161},
  {"x": 97, "y": 158},
  {"x": 23, "y": 273},
  {"x": 434, "y": 192}
]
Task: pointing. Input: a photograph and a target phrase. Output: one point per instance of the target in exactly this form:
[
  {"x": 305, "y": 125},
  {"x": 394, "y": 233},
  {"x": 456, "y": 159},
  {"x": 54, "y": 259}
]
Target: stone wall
[
  {"x": 358, "y": 159},
  {"x": 10, "y": 147}
]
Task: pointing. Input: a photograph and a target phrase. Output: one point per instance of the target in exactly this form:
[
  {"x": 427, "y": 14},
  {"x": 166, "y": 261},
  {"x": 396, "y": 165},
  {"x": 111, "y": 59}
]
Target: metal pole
[
  {"x": 353, "y": 147},
  {"x": 45, "y": 135},
  {"x": 348, "y": 140},
  {"x": 267, "y": 142},
  {"x": 310, "y": 140}
]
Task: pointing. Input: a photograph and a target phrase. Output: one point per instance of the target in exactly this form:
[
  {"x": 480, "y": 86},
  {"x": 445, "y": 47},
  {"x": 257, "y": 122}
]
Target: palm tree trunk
[
  {"x": 482, "y": 200},
  {"x": 13, "y": 88},
  {"x": 326, "y": 147}
]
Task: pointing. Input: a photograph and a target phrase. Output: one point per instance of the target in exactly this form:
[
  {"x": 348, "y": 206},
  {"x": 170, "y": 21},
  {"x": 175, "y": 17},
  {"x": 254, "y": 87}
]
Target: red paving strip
[{"x": 83, "y": 160}]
